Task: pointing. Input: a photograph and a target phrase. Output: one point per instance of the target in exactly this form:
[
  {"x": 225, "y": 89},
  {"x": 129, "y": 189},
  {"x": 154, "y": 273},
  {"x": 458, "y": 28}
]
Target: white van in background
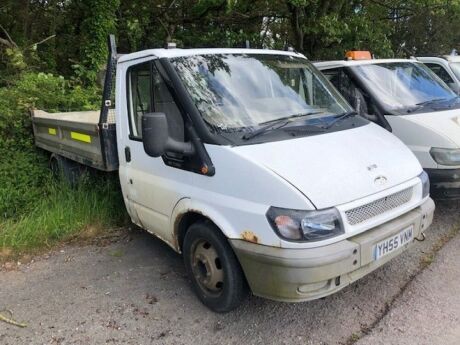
[
  {"x": 408, "y": 99},
  {"x": 446, "y": 67}
]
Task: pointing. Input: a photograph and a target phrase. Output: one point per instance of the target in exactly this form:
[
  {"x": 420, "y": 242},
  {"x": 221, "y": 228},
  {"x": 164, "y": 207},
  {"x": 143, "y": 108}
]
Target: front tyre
[{"x": 216, "y": 275}]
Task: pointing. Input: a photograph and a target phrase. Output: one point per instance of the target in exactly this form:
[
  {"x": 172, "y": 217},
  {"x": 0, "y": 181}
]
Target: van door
[{"x": 155, "y": 185}]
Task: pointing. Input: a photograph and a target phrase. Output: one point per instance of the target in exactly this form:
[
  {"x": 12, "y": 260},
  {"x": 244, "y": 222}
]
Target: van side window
[
  {"x": 164, "y": 103},
  {"x": 441, "y": 72},
  {"x": 354, "y": 95},
  {"x": 148, "y": 93},
  {"x": 140, "y": 96}
]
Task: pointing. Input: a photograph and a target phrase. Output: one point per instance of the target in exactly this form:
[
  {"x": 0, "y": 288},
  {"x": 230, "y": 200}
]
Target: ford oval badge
[{"x": 380, "y": 180}]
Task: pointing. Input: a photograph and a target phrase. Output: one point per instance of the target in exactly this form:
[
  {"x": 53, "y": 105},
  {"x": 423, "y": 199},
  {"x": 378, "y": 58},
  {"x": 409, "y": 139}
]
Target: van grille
[{"x": 362, "y": 213}]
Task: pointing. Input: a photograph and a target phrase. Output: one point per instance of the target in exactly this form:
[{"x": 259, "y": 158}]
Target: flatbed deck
[{"x": 78, "y": 136}]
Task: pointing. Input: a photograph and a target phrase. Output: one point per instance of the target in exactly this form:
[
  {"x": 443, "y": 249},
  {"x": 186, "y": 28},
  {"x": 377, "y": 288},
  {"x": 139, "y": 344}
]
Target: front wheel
[{"x": 213, "y": 268}]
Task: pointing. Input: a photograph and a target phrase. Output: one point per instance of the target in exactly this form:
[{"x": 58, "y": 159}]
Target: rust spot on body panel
[{"x": 249, "y": 236}]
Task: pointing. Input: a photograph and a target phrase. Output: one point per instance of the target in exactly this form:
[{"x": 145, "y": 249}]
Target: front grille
[{"x": 362, "y": 213}]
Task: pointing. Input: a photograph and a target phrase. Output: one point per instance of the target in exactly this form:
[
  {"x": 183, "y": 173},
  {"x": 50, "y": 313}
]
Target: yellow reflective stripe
[
  {"x": 52, "y": 131},
  {"x": 80, "y": 136}
]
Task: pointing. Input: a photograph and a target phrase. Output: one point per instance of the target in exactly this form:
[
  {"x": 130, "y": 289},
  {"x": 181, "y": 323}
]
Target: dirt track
[{"x": 135, "y": 291}]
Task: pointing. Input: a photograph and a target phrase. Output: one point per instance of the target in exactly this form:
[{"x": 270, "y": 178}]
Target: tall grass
[{"x": 64, "y": 212}]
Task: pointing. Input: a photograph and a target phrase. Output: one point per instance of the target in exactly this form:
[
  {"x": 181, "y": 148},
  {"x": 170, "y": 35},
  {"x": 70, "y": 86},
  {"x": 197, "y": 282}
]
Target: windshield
[
  {"x": 455, "y": 67},
  {"x": 402, "y": 85},
  {"x": 237, "y": 91}
]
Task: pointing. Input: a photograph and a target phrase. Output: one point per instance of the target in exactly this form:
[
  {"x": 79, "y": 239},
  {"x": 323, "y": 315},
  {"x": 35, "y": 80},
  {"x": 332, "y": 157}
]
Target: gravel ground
[
  {"x": 134, "y": 291},
  {"x": 428, "y": 312}
]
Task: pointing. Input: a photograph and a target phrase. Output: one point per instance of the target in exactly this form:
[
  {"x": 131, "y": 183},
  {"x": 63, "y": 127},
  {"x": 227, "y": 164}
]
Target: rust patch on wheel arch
[
  {"x": 179, "y": 219},
  {"x": 249, "y": 236}
]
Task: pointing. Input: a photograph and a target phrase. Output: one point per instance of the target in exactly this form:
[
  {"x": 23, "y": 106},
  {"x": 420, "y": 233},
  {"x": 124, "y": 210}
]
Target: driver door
[{"x": 155, "y": 185}]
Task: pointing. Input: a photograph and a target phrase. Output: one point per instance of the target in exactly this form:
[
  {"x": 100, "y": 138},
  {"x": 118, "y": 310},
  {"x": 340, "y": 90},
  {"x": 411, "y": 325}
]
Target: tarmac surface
[{"x": 134, "y": 291}]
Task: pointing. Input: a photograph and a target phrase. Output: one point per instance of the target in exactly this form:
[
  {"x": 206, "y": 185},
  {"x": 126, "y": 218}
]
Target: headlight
[
  {"x": 425, "y": 184},
  {"x": 305, "y": 226},
  {"x": 446, "y": 156}
]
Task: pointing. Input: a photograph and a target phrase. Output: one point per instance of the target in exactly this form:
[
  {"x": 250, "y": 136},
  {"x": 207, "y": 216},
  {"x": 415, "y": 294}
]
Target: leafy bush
[
  {"x": 35, "y": 208},
  {"x": 38, "y": 90},
  {"x": 23, "y": 168},
  {"x": 23, "y": 180}
]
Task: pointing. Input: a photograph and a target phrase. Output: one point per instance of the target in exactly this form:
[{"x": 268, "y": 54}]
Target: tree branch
[
  {"x": 11, "y": 43},
  {"x": 42, "y": 41}
]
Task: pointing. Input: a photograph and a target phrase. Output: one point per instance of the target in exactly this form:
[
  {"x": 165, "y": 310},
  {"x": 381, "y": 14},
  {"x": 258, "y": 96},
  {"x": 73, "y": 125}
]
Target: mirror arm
[{"x": 185, "y": 148}]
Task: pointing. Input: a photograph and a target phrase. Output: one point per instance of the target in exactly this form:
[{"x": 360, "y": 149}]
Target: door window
[
  {"x": 352, "y": 93},
  {"x": 163, "y": 102},
  {"x": 147, "y": 92},
  {"x": 441, "y": 72},
  {"x": 140, "y": 97}
]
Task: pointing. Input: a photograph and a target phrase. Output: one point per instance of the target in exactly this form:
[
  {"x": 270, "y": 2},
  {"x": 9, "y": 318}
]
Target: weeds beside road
[
  {"x": 135, "y": 291},
  {"x": 64, "y": 213}
]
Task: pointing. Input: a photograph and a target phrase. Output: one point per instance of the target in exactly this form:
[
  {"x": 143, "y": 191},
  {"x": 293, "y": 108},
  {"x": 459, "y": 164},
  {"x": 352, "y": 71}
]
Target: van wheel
[{"x": 213, "y": 268}]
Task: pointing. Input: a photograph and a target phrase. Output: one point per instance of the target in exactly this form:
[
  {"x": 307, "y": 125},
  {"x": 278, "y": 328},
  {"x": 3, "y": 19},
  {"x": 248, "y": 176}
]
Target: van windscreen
[
  {"x": 403, "y": 87},
  {"x": 236, "y": 91}
]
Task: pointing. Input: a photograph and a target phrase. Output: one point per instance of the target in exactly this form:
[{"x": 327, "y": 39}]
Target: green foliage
[
  {"x": 320, "y": 29},
  {"x": 98, "y": 22},
  {"x": 23, "y": 169},
  {"x": 36, "y": 209},
  {"x": 64, "y": 212},
  {"x": 23, "y": 175}
]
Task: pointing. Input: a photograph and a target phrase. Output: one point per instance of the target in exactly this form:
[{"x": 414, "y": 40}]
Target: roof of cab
[
  {"x": 178, "y": 52},
  {"x": 342, "y": 63},
  {"x": 450, "y": 58}
]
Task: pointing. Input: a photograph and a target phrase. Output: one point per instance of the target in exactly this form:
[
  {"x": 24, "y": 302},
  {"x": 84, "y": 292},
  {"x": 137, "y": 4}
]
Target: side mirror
[{"x": 156, "y": 139}]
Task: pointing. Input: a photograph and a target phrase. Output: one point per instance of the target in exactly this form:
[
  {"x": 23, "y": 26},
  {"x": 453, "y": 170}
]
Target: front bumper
[
  {"x": 294, "y": 275},
  {"x": 445, "y": 183}
]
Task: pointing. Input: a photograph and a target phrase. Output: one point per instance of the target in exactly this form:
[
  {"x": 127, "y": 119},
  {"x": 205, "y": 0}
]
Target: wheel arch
[{"x": 187, "y": 212}]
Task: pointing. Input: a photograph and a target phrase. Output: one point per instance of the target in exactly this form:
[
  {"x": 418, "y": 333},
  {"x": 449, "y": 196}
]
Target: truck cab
[
  {"x": 408, "y": 99},
  {"x": 253, "y": 167}
]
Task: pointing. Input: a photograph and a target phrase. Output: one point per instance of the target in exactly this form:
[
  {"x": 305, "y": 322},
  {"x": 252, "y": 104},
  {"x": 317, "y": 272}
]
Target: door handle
[{"x": 127, "y": 154}]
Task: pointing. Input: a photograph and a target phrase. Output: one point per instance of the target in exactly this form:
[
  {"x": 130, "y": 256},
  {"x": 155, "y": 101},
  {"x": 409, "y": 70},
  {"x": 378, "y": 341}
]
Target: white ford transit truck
[
  {"x": 408, "y": 99},
  {"x": 250, "y": 164}
]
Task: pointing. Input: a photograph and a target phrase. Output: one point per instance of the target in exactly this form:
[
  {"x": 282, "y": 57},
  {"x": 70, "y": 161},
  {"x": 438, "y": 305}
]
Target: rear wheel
[
  {"x": 66, "y": 169},
  {"x": 213, "y": 268}
]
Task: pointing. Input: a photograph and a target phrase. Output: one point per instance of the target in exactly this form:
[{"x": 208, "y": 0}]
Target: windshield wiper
[
  {"x": 420, "y": 105},
  {"x": 275, "y": 124},
  {"x": 341, "y": 117},
  {"x": 431, "y": 101},
  {"x": 265, "y": 129},
  {"x": 290, "y": 117}
]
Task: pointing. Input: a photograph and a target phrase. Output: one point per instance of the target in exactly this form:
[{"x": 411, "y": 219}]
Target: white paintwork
[
  {"x": 342, "y": 63},
  {"x": 423, "y": 131},
  {"x": 327, "y": 170},
  {"x": 338, "y": 160},
  {"x": 420, "y": 132},
  {"x": 177, "y": 52}
]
